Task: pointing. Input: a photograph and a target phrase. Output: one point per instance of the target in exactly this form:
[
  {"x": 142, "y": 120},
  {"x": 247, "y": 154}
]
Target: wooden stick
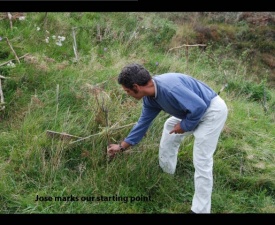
[
  {"x": 186, "y": 46},
  {"x": 66, "y": 136},
  {"x": 74, "y": 44},
  {"x": 23, "y": 56},
  {"x": 13, "y": 50},
  {"x": 1, "y": 97},
  {"x": 2, "y": 77},
  {"x": 10, "y": 18},
  {"x": 63, "y": 135},
  {"x": 102, "y": 132}
]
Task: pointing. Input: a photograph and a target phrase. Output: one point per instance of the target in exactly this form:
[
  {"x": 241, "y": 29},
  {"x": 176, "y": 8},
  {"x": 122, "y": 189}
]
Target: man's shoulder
[
  {"x": 169, "y": 75},
  {"x": 169, "y": 78}
]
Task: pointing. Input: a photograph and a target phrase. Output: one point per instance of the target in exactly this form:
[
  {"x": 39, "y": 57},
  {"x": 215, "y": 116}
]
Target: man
[{"x": 194, "y": 108}]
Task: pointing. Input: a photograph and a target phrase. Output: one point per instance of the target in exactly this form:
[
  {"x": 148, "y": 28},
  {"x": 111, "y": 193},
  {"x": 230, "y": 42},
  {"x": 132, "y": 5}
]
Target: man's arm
[{"x": 148, "y": 114}]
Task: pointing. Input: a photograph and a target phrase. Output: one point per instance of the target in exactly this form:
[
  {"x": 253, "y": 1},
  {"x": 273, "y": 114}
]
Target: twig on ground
[
  {"x": 197, "y": 45},
  {"x": 74, "y": 44},
  {"x": 13, "y": 50},
  {"x": 23, "y": 56},
  {"x": 2, "y": 106},
  {"x": 10, "y": 18},
  {"x": 2, "y": 77},
  {"x": 103, "y": 132},
  {"x": 62, "y": 135}
]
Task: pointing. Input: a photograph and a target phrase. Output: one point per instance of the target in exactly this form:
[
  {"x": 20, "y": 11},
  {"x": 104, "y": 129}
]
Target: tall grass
[{"x": 51, "y": 89}]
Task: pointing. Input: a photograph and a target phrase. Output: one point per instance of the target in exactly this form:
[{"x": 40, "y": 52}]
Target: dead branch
[
  {"x": 103, "y": 132},
  {"x": 66, "y": 136},
  {"x": 186, "y": 52},
  {"x": 10, "y": 18},
  {"x": 13, "y": 50},
  {"x": 63, "y": 135},
  {"x": 1, "y": 97},
  {"x": 74, "y": 44},
  {"x": 23, "y": 56},
  {"x": 196, "y": 45}
]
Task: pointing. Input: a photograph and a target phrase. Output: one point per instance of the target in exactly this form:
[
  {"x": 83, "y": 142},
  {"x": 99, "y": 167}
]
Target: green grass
[{"x": 51, "y": 90}]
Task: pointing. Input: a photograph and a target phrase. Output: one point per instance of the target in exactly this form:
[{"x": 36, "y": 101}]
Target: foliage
[{"x": 74, "y": 91}]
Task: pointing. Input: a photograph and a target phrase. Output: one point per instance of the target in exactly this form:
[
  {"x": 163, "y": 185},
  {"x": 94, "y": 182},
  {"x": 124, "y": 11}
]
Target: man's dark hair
[{"x": 133, "y": 74}]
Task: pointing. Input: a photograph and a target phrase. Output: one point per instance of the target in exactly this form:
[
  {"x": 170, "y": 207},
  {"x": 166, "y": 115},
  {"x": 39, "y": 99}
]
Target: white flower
[
  {"x": 38, "y": 28},
  {"x": 61, "y": 38},
  {"x": 58, "y": 43},
  {"x": 11, "y": 64},
  {"x": 21, "y": 17},
  {"x": 54, "y": 37},
  {"x": 47, "y": 39}
]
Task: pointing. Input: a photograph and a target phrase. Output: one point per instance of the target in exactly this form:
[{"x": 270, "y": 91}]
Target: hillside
[{"x": 58, "y": 73}]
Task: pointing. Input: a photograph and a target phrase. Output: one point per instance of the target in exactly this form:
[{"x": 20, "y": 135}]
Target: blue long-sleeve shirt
[{"x": 177, "y": 94}]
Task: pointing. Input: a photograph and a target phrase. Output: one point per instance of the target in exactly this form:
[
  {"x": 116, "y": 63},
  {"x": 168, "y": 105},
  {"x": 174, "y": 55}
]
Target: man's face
[{"x": 135, "y": 92}]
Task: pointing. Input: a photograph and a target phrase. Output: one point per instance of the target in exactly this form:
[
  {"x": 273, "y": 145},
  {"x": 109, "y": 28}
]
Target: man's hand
[
  {"x": 113, "y": 149},
  {"x": 177, "y": 129}
]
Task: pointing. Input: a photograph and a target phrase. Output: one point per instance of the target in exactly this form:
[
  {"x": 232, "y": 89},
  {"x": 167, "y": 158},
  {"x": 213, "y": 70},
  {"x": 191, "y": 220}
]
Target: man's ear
[{"x": 136, "y": 88}]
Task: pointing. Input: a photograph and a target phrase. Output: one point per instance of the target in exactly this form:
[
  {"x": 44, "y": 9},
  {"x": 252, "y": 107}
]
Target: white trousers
[{"x": 206, "y": 138}]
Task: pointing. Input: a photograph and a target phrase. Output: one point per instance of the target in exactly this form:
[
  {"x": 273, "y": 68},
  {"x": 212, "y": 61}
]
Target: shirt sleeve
[
  {"x": 148, "y": 114},
  {"x": 191, "y": 104}
]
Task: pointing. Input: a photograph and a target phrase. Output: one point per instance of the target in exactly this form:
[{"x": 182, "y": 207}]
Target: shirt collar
[{"x": 155, "y": 85}]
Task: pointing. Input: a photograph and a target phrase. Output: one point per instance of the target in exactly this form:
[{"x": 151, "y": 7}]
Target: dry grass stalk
[
  {"x": 103, "y": 132},
  {"x": 62, "y": 136},
  {"x": 2, "y": 107},
  {"x": 74, "y": 44},
  {"x": 98, "y": 36},
  {"x": 187, "y": 50},
  {"x": 196, "y": 45},
  {"x": 45, "y": 19}
]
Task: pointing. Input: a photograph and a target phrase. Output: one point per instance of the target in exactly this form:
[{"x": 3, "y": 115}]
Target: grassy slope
[{"x": 50, "y": 91}]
